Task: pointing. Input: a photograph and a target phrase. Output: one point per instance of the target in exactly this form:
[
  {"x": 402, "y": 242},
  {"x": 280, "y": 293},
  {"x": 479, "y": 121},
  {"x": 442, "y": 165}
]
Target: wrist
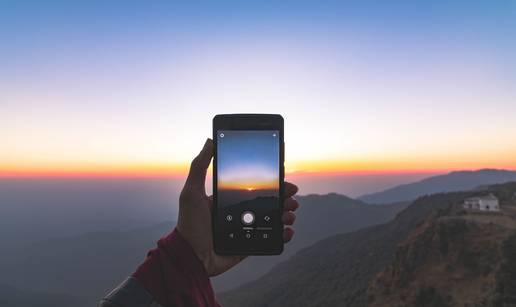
[{"x": 204, "y": 257}]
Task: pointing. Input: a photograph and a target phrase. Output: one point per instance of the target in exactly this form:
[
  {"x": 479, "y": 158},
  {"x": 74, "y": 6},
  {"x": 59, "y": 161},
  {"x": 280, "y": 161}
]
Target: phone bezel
[{"x": 250, "y": 122}]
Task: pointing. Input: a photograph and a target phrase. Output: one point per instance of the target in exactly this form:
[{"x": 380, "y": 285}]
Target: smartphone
[{"x": 248, "y": 184}]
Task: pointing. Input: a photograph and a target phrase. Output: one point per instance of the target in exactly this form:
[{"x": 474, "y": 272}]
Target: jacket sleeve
[
  {"x": 171, "y": 275},
  {"x": 130, "y": 293}
]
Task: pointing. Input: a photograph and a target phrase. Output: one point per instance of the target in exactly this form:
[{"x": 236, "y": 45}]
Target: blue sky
[
  {"x": 374, "y": 85},
  {"x": 248, "y": 159},
  {"x": 35, "y": 32}
]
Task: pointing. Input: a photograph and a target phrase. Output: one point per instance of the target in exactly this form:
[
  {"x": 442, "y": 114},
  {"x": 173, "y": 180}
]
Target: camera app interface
[{"x": 247, "y": 184}]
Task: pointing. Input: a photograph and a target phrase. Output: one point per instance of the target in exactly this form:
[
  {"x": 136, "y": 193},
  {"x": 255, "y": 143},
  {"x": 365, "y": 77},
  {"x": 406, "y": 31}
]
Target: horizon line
[{"x": 182, "y": 175}]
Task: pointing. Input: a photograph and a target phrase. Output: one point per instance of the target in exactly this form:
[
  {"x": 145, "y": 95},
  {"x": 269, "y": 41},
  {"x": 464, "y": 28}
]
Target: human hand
[{"x": 194, "y": 221}]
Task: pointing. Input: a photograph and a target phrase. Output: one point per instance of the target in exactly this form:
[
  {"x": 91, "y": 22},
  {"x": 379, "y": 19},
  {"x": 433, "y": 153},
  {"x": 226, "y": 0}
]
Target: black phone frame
[{"x": 250, "y": 122}]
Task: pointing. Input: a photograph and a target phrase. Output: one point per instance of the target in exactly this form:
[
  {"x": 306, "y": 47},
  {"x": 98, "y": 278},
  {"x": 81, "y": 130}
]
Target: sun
[{"x": 250, "y": 189}]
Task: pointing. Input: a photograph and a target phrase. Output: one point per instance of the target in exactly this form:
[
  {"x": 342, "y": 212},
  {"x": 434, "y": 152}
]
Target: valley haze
[{"x": 76, "y": 218}]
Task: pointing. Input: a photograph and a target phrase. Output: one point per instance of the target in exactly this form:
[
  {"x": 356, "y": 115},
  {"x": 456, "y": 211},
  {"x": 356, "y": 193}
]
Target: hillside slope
[
  {"x": 89, "y": 265},
  {"x": 318, "y": 217},
  {"x": 337, "y": 271},
  {"x": 456, "y": 258}
]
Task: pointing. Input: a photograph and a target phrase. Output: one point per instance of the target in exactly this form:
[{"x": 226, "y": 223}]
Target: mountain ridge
[
  {"x": 336, "y": 271},
  {"x": 453, "y": 181},
  {"x": 319, "y": 216},
  {"x": 456, "y": 257},
  {"x": 108, "y": 257}
]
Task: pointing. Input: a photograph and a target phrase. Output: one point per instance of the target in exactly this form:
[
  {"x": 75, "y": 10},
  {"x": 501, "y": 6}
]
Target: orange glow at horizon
[
  {"x": 292, "y": 168},
  {"x": 96, "y": 170},
  {"x": 249, "y": 186},
  {"x": 397, "y": 165}
]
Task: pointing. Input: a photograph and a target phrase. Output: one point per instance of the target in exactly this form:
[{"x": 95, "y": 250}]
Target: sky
[
  {"x": 129, "y": 88},
  {"x": 248, "y": 159}
]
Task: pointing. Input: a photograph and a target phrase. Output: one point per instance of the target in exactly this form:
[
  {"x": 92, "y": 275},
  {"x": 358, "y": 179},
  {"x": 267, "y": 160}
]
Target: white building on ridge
[{"x": 482, "y": 203}]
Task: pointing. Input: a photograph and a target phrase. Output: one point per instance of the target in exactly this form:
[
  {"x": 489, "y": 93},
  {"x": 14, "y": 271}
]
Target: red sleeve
[{"x": 174, "y": 275}]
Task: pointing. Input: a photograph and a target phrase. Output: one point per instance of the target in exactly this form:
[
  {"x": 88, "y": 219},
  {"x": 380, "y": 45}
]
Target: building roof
[{"x": 490, "y": 196}]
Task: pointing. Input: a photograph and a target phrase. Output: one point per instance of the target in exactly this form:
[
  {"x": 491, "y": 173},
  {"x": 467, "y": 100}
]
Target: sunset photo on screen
[{"x": 248, "y": 165}]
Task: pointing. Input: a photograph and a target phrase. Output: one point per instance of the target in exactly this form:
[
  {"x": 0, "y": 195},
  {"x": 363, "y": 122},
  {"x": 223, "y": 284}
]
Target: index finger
[{"x": 198, "y": 168}]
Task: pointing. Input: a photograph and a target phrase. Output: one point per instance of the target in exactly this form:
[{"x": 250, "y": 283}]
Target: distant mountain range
[
  {"x": 338, "y": 270},
  {"x": 454, "y": 181},
  {"x": 340, "y": 245},
  {"x": 13, "y": 297},
  {"x": 319, "y": 216},
  {"x": 87, "y": 266}
]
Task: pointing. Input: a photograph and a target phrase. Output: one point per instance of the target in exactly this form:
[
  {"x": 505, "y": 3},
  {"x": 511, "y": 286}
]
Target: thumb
[{"x": 199, "y": 166}]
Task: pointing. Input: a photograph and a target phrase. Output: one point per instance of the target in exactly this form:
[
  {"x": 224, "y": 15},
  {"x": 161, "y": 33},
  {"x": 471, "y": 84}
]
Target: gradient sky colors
[
  {"x": 130, "y": 88},
  {"x": 248, "y": 160}
]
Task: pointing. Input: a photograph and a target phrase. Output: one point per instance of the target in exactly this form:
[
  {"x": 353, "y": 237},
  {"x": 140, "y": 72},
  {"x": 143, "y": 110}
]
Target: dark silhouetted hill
[
  {"x": 319, "y": 216},
  {"x": 89, "y": 265},
  {"x": 337, "y": 271},
  {"x": 454, "y": 181},
  {"x": 455, "y": 258},
  {"x": 230, "y": 197}
]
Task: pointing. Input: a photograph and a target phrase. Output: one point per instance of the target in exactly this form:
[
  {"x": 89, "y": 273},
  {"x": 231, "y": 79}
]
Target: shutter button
[{"x": 247, "y": 218}]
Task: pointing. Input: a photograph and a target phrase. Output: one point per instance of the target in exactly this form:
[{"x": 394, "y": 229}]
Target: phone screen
[{"x": 248, "y": 187}]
